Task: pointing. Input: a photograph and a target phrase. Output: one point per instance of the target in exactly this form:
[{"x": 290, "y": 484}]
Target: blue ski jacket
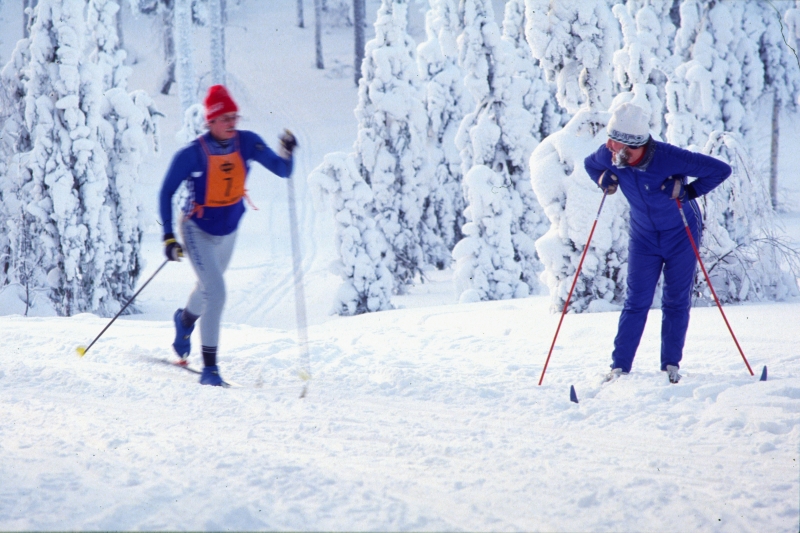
[
  {"x": 652, "y": 209},
  {"x": 191, "y": 164}
]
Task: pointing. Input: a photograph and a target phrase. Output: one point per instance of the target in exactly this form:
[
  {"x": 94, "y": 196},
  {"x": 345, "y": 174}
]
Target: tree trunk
[
  {"x": 318, "y": 32},
  {"x": 218, "y": 74},
  {"x": 167, "y": 23},
  {"x": 118, "y": 18},
  {"x": 359, "y": 20},
  {"x": 184, "y": 64},
  {"x": 300, "y": 22},
  {"x": 27, "y": 17},
  {"x": 773, "y": 171}
]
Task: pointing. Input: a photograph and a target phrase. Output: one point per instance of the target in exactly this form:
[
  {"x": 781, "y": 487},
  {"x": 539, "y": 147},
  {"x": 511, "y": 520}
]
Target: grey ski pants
[{"x": 209, "y": 256}]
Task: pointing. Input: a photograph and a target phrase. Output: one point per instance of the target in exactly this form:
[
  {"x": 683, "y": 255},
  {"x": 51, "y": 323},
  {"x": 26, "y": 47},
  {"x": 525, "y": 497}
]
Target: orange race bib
[{"x": 225, "y": 178}]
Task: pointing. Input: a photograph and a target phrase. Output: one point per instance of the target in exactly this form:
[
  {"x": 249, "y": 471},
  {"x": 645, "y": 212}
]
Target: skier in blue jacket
[
  {"x": 215, "y": 167},
  {"x": 652, "y": 175}
]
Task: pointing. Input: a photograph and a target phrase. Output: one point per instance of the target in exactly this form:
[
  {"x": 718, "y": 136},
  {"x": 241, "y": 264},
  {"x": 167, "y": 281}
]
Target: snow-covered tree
[
  {"x": 574, "y": 42},
  {"x": 782, "y": 75},
  {"x": 362, "y": 249},
  {"x": 73, "y": 233},
  {"x": 390, "y": 148},
  {"x": 495, "y": 138},
  {"x": 108, "y": 55},
  {"x": 722, "y": 72},
  {"x": 742, "y": 250},
  {"x": 540, "y": 99},
  {"x": 446, "y": 103},
  {"x": 62, "y": 185}
]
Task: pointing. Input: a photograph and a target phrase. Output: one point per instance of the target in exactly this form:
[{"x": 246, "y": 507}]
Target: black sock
[
  {"x": 210, "y": 355},
  {"x": 188, "y": 319}
]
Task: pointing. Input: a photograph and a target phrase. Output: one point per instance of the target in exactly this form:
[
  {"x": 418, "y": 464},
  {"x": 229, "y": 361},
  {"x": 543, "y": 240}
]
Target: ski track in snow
[{"x": 442, "y": 429}]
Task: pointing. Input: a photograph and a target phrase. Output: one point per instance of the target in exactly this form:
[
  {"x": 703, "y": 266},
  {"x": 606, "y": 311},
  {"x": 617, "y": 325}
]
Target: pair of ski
[
  {"x": 187, "y": 367},
  {"x": 573, "y": 396}
]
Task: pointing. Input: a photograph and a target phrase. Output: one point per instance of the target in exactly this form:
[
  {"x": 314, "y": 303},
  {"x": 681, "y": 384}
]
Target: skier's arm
[
  {"x": 179, "y": 170},
  {"x": 709, "y": 171},
  {"x": 256, "y": 149},
  {"x": 595, "y": 163}
]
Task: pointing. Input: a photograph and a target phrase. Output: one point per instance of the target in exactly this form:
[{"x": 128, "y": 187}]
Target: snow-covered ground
[{"x": 424, "y": 418}]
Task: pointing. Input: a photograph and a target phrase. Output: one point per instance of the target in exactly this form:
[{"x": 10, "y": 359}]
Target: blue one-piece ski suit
[{"x": 658, "y": 242}]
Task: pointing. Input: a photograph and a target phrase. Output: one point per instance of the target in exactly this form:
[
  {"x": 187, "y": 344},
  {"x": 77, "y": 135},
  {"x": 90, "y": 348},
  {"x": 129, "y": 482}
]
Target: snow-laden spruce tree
[
  {"x": 710, "y": 101},
  {"x": 101, "y": 21},
  {"x": 390, "y": 148},
  {"x": 62, "y": 180},
  {"x": 722, "y": 69},
  {"x": 574, "y": 43},
  {"x": 73, "y": 233},
  {"x": 540, "y": 99},
  {"x": 446, "y": 103},
  {"x": 14, "y": 140},
  {"x": 496, "y": 259},
  {"x": 742, "y": 250},
  {"x": 782, "y": 76},
  {"x": 362, "y": 249}
]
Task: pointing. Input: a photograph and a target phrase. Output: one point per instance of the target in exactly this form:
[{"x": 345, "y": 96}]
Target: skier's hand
[
  {"x": 172, "y": 249},
  {"x": 608, "y": 182},
  {"x": 674, "y": 188},
  {"x": 288, "y": 144}
]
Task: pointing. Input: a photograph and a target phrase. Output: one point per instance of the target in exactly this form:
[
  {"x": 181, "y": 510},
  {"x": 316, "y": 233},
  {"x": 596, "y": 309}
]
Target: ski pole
[
  {"x": 83, "y": 349},
  {"x": 708, "y": 280},
  {"x": 299, "y": 293},
  {"x": 574, "y": 281}
]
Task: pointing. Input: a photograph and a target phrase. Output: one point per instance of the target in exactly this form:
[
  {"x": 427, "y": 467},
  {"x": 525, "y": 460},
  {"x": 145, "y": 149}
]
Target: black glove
[
  {"x": 172, "y": 249},
  {"x": 674, "y": 188},
  {"x": 608, "y": 182},
  {"x": 288, "y": 144}
]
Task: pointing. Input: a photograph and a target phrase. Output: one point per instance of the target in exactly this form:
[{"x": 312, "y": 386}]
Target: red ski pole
[
  {"x": 574, "y": 281},
  {"x": 708, "y": 280}
]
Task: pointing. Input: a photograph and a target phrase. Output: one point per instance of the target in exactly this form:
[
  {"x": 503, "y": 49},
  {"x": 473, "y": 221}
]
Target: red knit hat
[{"x": 218, "y": 102}]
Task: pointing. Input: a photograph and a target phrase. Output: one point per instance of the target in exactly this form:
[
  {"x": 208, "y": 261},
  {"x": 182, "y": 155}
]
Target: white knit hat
[{"x": 629, "y": 125}]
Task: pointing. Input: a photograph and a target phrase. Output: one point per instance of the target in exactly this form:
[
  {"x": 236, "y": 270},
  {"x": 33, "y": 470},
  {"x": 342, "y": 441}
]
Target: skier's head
[
  {"x": 628, "y": 132},
  {"x": 629, "y": 125},
  {"x": 221, "y": 113}
]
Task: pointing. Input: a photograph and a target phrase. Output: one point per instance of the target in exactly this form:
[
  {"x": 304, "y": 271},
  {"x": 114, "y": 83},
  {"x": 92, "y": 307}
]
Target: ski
[{"x": 185, "y": 366}]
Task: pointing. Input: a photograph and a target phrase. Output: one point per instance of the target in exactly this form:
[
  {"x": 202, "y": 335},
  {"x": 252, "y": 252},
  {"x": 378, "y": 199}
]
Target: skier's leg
[
  {"x": 679, "y": 272},
  {"x": 197, "y": 250},
  {"x": 644, "y": 269},
  {"x": 210, "y": 255}
]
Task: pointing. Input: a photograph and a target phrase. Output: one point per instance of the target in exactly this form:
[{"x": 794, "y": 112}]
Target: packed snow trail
[{"x": 421, "y": 419}]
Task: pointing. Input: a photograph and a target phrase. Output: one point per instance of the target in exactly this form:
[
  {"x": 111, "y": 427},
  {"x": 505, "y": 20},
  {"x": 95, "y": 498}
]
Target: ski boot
[
  {"x": 614, "y": 374},
  {"x": 183, "y": 336},
  {"x": 211, "y": 376},
  {"x": 672, "y": 372}
]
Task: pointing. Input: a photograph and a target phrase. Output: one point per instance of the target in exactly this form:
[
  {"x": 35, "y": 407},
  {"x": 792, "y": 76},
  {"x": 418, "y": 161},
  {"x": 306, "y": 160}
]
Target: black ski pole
[{"x": 83, "y": 349}]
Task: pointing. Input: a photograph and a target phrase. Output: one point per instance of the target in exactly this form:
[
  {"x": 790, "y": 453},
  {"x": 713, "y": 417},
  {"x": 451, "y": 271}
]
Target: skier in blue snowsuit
[
  {"x": 652, "y": 175},
  {"x": 215, "y": 167}
]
